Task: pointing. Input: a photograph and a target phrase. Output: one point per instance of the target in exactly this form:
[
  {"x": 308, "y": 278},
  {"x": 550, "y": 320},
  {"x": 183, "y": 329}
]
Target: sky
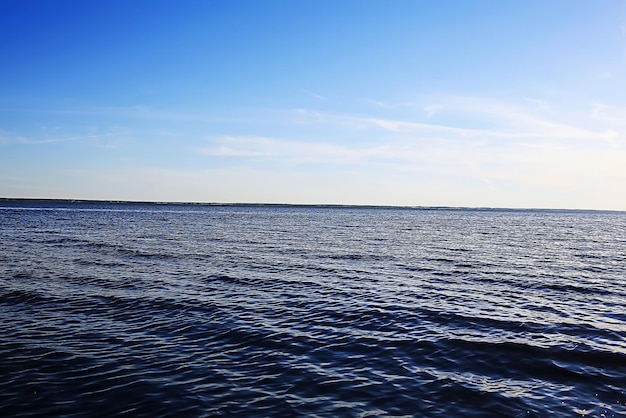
[{"x": 473, "y": 103}]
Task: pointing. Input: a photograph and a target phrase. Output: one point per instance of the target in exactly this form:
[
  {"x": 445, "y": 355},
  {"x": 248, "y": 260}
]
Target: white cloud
[
  {"x": 501, "y": 124},
  {"x": 6, "y": 139},
  {"x": 292, "y": 151},
  {"x": 365, "y": 122},
  {"x": 314, "y": 95},
  {"x": 541, "y": 104},
  {"x": 76, "y": 138},
  {"x": 432, "y": 109}
]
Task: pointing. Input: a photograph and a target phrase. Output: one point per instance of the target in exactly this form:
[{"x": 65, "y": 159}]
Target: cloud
[
  {"x": 314, "y": 95},
  {"x": 612, "y": 117},
  {"x": 470, "y": 123},
  {"x": 286, "y": 150},
  {"x": 432, "y": 110},
  {"x": 525, "y": 120},
  {"x": 511, "y": 119},
  {"x": 541, "y": 104},
  {"x": 379, "y": 103},
  {"x": 6, "y": 139},
  {"x": 72, "y": 138},
  {"x": 366, "y": 122}
]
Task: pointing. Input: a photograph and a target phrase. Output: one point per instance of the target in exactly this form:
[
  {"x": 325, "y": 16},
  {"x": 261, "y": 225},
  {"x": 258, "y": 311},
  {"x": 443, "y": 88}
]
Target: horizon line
[{"x": 287, "y": 205}]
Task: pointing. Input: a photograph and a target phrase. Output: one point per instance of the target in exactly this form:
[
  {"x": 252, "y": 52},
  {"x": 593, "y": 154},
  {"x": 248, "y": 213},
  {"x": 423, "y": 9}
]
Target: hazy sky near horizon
[{"x": 392, "y": 102}]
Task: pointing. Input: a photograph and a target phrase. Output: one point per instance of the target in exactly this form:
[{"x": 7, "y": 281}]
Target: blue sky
[{"x": 399, "y": 102}]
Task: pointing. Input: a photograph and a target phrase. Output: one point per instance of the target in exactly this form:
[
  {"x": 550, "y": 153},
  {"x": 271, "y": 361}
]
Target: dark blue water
[{"x": 255, "y": 311}]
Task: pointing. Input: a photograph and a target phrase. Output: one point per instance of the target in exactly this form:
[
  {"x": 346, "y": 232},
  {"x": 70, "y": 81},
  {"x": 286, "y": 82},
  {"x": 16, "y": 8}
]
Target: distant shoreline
[{"x": 284, "y": 205}]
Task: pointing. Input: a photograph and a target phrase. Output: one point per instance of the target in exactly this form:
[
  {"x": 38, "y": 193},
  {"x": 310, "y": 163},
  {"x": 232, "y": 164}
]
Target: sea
[{"x": 172, "y": 310}]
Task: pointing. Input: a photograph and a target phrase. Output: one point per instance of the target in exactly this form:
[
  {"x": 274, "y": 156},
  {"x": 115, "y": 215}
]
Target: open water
[{"x": 170, "y": 310}]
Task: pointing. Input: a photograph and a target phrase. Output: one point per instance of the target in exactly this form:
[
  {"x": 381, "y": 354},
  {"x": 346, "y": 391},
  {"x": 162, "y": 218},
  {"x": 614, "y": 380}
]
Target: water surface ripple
[{"x": 158, "y": 310}]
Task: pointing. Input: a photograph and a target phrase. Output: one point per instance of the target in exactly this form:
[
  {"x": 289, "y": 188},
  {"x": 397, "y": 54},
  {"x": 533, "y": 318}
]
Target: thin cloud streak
[
  {"x": 393, "y": 125},
  {"x": 291, "y": 151},
  {"x": 314, "y": 95},
  {"x": 73, "y": 138}
]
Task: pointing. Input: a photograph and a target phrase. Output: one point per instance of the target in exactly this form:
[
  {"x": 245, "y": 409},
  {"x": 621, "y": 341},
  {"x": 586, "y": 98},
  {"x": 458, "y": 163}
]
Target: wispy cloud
[
  {"x": 314, "y": 95},
  {"x": 363, "y": 122},
  {"x": 71, "y": 138},
  {"x": 542, "y": 104},
  {"x": 379, "y": 103},
  {"x": 432, "y": 109},
  {"x": 528, "y": 142},
  {"x": 135, "y": 112},
  {"x": 513, "y": 119},
  {"x": 471, "y": 117},
  {"x": 286, "y": 150}
]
